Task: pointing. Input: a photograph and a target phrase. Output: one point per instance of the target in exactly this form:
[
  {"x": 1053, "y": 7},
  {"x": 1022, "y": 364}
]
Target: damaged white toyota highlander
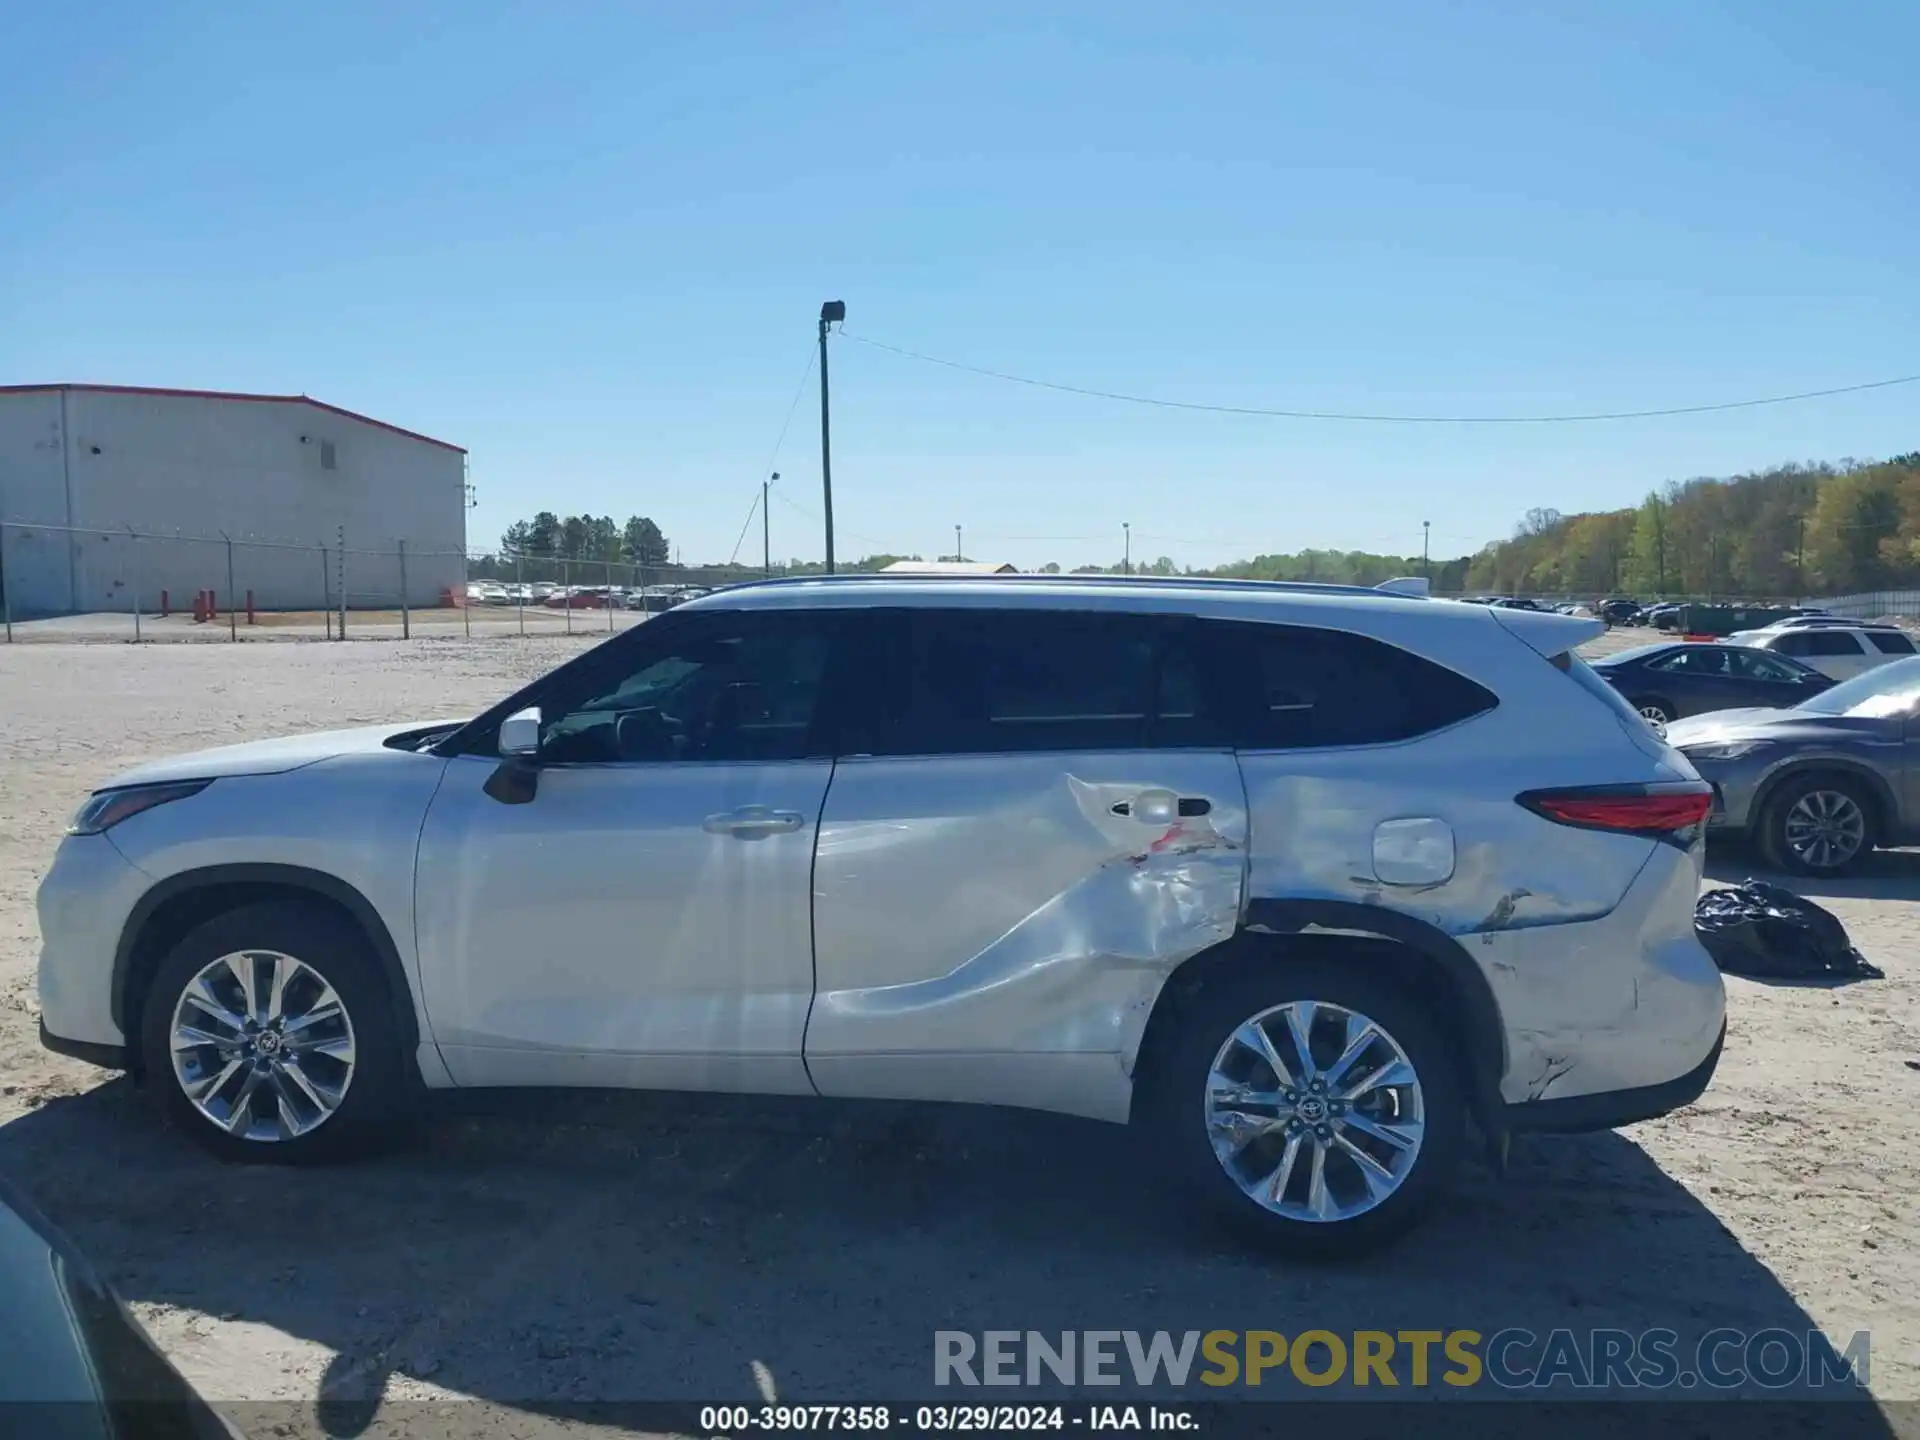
[{"x": 1310, "y": 884}]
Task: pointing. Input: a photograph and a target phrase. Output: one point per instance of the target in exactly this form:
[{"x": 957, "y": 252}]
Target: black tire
[
  {"x": 1175, "y": 1086},
  {"x": 378, "y": 1092},
  {"x": 1772, "y": 830}
]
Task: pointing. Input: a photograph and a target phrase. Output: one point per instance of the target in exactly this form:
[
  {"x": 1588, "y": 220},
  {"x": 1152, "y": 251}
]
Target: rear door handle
[
  {"x": 752, "y": 821},
  {"x": 1163, "y": 807}
]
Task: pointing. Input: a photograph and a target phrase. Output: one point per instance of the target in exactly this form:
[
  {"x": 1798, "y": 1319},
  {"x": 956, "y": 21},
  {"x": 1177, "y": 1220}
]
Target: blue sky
[{"x": 589, "y": 243}]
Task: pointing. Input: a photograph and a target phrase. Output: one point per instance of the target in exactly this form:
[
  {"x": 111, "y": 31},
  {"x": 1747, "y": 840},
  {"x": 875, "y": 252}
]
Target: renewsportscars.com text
[{"x": 1510, "y": 1359}]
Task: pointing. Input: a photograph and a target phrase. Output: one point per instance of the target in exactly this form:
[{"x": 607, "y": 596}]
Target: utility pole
[
  {"x": 766, "y": 528},
  {"x": 1799, "y": 557},
  {"x": 959, "y": 550},
  {"x": 1426, "y": 563},
  {"x": 833, "y": 310},
  {"x": 1126, "y": 562}
]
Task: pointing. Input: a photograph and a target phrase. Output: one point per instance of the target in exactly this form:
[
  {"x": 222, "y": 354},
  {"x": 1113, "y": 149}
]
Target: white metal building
[{"x": 110, "y": 494}]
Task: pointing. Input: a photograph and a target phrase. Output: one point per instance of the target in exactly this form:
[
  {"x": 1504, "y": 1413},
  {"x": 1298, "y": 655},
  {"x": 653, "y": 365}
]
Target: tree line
[
  {"x": 548, "y": 536},
  {"x": 1793, "y": 530}
]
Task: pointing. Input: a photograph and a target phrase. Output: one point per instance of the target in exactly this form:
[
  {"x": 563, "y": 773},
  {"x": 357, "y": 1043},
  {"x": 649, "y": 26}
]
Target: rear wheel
[
  {"x": 1819, "y": 825},
  {"x": 1314, "y": 1106},
  {"x": 1657, "y": 713},
  {"x": 268, "y": 1036}
]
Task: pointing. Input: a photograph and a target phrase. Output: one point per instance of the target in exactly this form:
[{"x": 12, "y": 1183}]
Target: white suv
[
  {"x": 1836, "y": 649},
  {"x": 1306, "y": 882}
]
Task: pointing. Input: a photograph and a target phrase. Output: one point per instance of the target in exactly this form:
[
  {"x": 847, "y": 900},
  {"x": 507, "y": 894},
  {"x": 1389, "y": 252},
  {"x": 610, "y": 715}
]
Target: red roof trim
[{"x": 235, "y": 395}]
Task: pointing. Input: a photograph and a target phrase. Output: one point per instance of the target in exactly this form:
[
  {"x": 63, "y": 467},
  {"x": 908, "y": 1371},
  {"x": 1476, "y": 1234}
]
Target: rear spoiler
[
  {"x": 1417, "y": 586},
  {"x": 1548, "y": 632}
]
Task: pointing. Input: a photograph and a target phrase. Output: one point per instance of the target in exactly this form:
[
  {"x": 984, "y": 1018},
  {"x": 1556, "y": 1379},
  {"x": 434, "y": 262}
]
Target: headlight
[
  {"x": 1723, "y": 750},
  {"x": 107, "y": 808}
]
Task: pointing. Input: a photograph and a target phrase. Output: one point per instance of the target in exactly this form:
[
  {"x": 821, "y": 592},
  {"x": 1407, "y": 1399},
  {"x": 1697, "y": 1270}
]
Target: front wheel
[
  {"x": 1818, "y": 825},
  {"x": 1313, "y": 1105},
  {"x": 268, "y": 1036}
]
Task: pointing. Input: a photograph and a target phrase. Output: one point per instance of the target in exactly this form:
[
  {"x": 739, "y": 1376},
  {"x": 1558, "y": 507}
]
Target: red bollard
[
  {"x": 199, "y": 607},
  {"x": 249, "y": 607},
  {"x": 165, "y": 610},
  {"x": 213, "y": 604}
]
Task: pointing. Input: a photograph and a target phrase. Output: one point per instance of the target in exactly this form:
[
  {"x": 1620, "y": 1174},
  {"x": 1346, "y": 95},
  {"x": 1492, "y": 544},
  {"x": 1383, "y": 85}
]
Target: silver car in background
[{"x": 1823, "y": 783}]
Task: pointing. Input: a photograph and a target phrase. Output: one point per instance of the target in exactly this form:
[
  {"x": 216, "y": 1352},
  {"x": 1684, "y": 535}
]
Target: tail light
[{"x": 1662, "y": 811}]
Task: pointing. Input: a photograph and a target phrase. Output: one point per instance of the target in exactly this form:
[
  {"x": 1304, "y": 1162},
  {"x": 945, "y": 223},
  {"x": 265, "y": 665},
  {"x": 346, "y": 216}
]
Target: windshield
[{"x": 1886, "y": 690}]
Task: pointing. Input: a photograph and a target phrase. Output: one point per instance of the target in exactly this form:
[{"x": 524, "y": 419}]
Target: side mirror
[
  {"x": 516, "y": 780},
  {"x": 520, "y": 734}
]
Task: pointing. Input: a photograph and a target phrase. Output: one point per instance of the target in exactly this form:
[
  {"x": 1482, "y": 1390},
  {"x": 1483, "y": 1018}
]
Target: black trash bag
[{"x": 1764, "y": 930}]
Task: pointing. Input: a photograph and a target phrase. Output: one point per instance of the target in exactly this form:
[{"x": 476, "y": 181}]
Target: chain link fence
[
  {"x": 67, "y": 583},
  {"x": 1876, "y": 605},
  {"x": 63, "y": 583}
]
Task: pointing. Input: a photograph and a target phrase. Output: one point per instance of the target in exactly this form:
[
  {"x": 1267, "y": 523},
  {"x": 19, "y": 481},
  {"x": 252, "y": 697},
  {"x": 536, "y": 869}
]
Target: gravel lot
[{"x": 530, "y": 1252}]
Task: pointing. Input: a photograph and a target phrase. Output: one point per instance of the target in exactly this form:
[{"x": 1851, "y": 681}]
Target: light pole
[
  {"x": 766, "y": 529},
  {"x": 832, "y": 311},
  {"x": 959, "y": 550},
  {"x": 1426, "y": 565},
  {"x": 1126, "y": 563}
]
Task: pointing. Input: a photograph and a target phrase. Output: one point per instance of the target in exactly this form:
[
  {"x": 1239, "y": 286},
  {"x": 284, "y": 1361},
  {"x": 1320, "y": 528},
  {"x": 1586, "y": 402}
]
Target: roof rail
[{"x": 1306, "y": 587}]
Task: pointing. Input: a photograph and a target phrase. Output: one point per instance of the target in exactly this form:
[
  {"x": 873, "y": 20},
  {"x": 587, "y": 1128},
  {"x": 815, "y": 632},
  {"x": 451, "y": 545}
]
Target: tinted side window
[
  {"x": 1825, "y": 642},
  {"x": 1304, "y": 686},
  {"x": 987, "y": 681},
  {"x": 1695, "y": 661},
  {"x": 1750, "y": 664},
  {"x": 1890, "y": 642},
  {"x": 727, "y": 686}
]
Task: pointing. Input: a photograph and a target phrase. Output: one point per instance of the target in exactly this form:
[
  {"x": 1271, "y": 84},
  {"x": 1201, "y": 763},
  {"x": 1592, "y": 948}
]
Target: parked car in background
[
  {"x": 1297, "y": 879},
  {"x": 1512, "y": 603},
  {"x": 654, "y": 599},
  {"x": 1670, "y": 681},
  {"x": 581, "y": 597},
  {"x": 73, "y": 1363},
  {"x": 1838, "y": 651},
  {"x": 1809, "y": 621},
  {"x": 1620, "y": 612},
  {"x": 1818, "y": 785}
]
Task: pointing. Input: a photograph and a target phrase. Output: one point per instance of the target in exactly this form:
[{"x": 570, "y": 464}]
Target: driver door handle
[{"x": 752, "y": 821}]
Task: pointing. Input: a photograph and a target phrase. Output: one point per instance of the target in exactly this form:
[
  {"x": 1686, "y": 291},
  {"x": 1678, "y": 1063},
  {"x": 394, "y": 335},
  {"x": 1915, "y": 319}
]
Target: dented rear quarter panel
[
  {"x": 1584, "y": 937},
  {"x": 1312, "y": 813}
]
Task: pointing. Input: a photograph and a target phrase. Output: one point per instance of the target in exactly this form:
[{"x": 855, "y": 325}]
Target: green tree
[
  {"x": 543, "y": 535},
  {"x": 1646, "y": 570},
  {"x": 1855, "y": 515},
  {"x": 642, "y": 543}
]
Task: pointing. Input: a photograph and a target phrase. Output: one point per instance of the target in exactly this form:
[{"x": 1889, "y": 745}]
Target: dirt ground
[{"x": 531, "y": 1252}]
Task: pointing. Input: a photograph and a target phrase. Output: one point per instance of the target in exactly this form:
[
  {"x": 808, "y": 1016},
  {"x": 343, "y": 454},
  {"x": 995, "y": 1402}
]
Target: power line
[
  {"x": 773, "y": 459},
  {"x": 800, "y": 509},
  {"x": 792, "y": 405},
  {"x": 741, "y": 538},
  {"x": 1381, "y": 419}
]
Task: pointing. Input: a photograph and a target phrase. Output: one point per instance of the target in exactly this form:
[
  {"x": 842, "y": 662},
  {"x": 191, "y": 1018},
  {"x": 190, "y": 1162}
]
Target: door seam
[{"x": 813, "y": 923}]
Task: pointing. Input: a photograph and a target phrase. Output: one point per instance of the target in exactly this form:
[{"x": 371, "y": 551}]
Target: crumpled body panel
[{"x": 992, "y": 929}]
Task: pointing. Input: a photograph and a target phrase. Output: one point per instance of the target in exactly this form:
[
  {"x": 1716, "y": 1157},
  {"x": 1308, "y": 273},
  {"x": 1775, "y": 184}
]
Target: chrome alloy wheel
[
  {"x": 1656, "y": 717},
  {"x": 1826, "y": 828},
  {"x": 262, "y": 1046},
  {"x": 1314, "y": 1111}
]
